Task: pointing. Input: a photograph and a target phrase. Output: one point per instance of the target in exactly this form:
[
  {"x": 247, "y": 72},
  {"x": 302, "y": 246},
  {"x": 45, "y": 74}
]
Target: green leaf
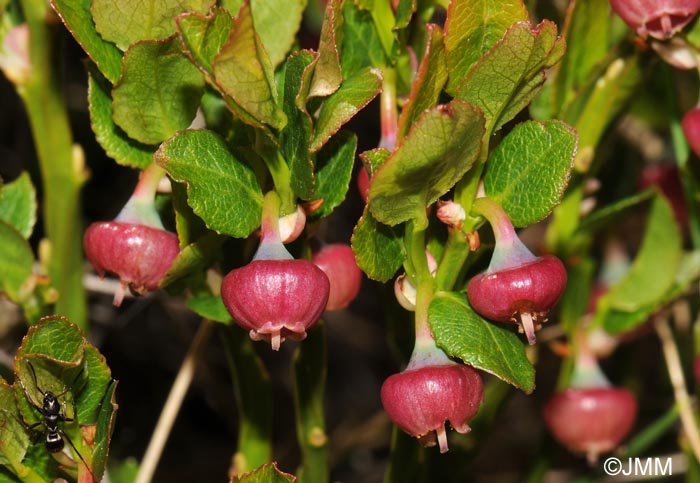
[
  {"x": 268, "y": 473},
  {"x": 609, "y": 213},
  {"x": 99, "y": 378},
  {"x": 404, "y": 12},
  {"x": 462, "y": 333},
  {"x": 651, "y": 275},
  {"x": 472, "y": 28},
  {"x": 384, "y": 22},
  {"x": 233, "y": 6},
  {"x": 354, "y": 94},
  {"x": 52, "y": 350},
  {"x": 373, "y": 159},
  {"x": 529, "y": 170},
  {"x": 158, "y": 93},
  {"x": 16, "y": 262},
  {"x": 441, "y": 146},
  {"x": 18, "y": 204},
  {"x": 103, "y": 432},
  {"x": 361, "y": 46},
  {"x": 210, "y": 307},
  {"x": 221, "y": 190},
  {"x": 328, "y": 75},
  {"x": 112, "y": 138},
  {"x": 204, "y": 36},
  {"x": 244, "y": 72},
  {"x": 588, "y": 43},
  {"x": 277, "y": 23},
  {"x": 14, "y": 439},
  {"x": 55, "y": 357},
  {"x": 336, "y": 160},
  {"x": 194, "y": 257},
  {"x": 294, "y": 139},
  {"x": 378, "y": 248},
  {"x": 510, "y": 75},
  {"x": 430, "y": 79},
  {"x": 126, "y": 22},
  {"x": 599, "y": 103},
  {"x": 77, "y": 18}
]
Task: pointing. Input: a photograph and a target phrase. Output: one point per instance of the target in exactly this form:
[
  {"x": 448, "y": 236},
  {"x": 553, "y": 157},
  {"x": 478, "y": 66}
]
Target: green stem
[
  {"x": 453, "y": 259},
  {"x": 652, "y": 433},
  {"x": 281, "y": 176},
  {"x": 680, "y": 148},
  {"x": 309, "y": 373},
  {"x": 253, "y": 392},
  {"x": 405, "y": 458},
  {"x": 61, "y": 167}
]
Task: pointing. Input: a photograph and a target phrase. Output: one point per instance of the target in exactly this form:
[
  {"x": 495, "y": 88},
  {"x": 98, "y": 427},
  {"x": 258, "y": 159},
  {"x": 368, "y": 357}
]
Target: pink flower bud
[
  {"x": 14, "y": 55},
  {"x": 691, "y": 129},
  {"x": 451, "y": 213}
]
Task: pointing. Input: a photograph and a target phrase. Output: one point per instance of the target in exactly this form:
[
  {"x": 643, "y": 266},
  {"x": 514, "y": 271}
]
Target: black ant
[{"x": 53, "y": 413}]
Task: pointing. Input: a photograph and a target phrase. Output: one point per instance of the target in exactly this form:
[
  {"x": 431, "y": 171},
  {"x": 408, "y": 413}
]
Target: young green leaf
[
  {"x": 462, "y": 333},
  {"x": 361, "y": 46},
  {"x": 116, "y": 143},
  {"x": 506, "y": 79},
  {"x": 211, "y": 307},
  {"x": 373, "y": 159},
  {"x": 277, "y": 23},
  {"x": 384, "y": 22},
  {"x": 599, "y": 102},
  {"x": 204, "y": 35},
  {"x": 588, "y": 43},
  {"x": 328, "y": 75},
  {"x": 529, "y": 170},
  {"x": 441, "y": 146},
  {"x": 221, "y": 190},
  {"x": 158, "y": 93},
  {"x": 404, "y": 12},
  {"x": 77, "y": 18},
  {"x": 651, "y": 275},
  {"x": 335, "y": 162},
  {"x": 18, "y": 204},
  {"x": 244, "y": 72},
  {"x": 472, "y": 28},
  {"x": 104, "y": 429},
  {"x": 16, "y": 261},
  {"x": 126, "y": 22},
  {"x": 430, "y": 80},
  {"x": 294, "y": 138},
  {"x": 378, "y": 248},
  {"x": 354, "y": 94},
  {"x": 268, "y": 473},
  {"x": 193, "y": 257}
]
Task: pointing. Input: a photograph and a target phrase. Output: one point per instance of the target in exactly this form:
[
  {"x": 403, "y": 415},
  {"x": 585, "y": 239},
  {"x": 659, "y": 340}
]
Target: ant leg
[{"x": 70, "y": 442}]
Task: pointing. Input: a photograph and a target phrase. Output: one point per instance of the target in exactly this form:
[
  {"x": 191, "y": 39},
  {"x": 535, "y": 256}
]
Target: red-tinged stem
[
  {"x": 587, "y": 372},
  {"x": 140, "y": 208},
  {"x": 148, "y": 182},
  {"x": 271, "y": 246},
  {"x": 509, "y": 251},
  {"x": 388, "y": 113}
]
